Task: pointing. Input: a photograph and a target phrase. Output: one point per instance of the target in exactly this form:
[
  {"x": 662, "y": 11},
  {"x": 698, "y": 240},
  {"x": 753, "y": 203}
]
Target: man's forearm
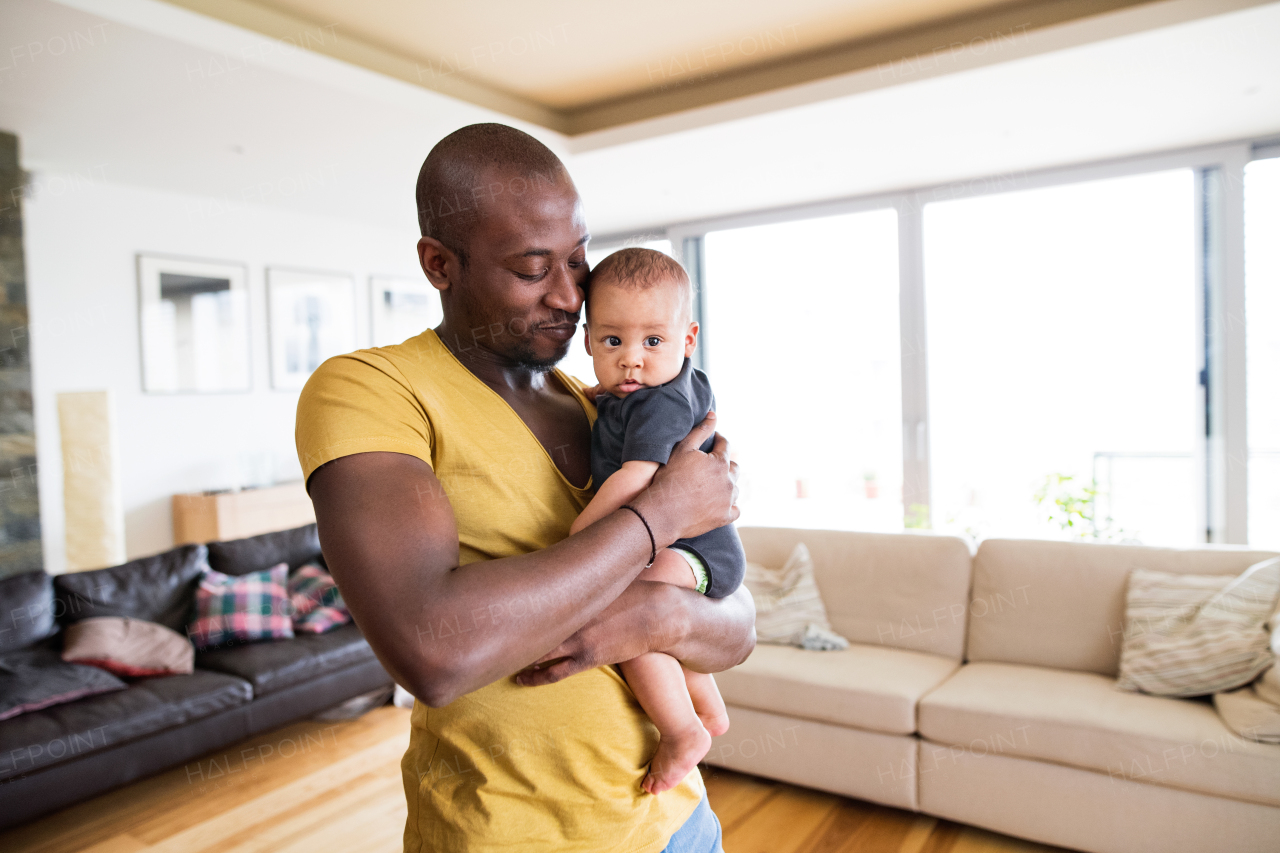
[{"x": 707, "y": 634}]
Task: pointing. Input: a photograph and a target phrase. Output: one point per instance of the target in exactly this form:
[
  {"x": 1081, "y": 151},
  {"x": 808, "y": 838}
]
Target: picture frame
[
  {"x": 310, "y": 318},
  {"x": 193, "y": 322},
  {"x": 401, "y": 308}
]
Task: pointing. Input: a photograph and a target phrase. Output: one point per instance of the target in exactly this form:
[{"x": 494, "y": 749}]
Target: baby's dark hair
[{"x": 641, "y": 269}]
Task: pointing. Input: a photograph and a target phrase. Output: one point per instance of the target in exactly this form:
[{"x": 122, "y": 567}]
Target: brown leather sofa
[{"x": 59, "y": 755}]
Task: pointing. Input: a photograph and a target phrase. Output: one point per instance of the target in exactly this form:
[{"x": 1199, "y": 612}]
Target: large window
[
  {"x": 1066, "y": 363},
  {"x": 1062, "y": 344},
  {"x": 803, "y": 354},
  {"x": 1262, "y": 316}
]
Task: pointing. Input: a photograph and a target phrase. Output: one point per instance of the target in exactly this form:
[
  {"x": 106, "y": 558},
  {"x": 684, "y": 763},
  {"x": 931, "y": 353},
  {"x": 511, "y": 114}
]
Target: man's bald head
[{"x": 471, "y": 166}]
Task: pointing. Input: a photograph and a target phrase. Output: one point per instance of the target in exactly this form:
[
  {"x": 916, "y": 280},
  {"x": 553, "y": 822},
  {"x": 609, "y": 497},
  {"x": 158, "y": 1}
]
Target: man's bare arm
[{"x": 390, "y": 539}]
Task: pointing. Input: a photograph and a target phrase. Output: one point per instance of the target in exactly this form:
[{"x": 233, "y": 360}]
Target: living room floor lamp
[{"x": 90, "y": 481}]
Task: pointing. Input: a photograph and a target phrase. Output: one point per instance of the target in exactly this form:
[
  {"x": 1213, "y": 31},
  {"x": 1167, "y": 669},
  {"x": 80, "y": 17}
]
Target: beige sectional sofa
[{"x": 981, "y": 688}]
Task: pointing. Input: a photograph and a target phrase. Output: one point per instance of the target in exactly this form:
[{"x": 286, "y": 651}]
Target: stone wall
[{"x": 20, "y": 549}]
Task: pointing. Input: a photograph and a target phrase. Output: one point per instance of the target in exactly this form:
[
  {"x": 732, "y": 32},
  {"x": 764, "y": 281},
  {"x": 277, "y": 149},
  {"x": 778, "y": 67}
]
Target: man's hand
[
  {"x": 704, "y": 634},
  {"x": 625, "y": 629},
  {"x": 694, "y": 492}
]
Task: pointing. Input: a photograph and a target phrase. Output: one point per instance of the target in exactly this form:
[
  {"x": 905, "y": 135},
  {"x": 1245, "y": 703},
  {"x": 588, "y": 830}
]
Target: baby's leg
[
  {"x": 667, "y": 693},
  {"x": 670, "y": 567},
  {"x": 707, "y": 701},
  {"x": 659, "y": 685}
]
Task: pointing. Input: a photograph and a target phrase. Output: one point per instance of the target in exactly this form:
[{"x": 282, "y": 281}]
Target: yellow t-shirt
[{"x": 550, "y": 768}]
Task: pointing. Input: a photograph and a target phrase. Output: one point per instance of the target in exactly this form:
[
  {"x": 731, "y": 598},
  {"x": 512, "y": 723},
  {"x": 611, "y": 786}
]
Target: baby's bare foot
[{"x": 677, "y": 754}]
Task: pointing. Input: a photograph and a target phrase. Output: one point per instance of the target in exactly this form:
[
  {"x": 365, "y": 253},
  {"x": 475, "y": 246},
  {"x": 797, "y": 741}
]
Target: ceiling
[
  {"x": 576, "y": 66},
  {"x": 165, "y": 99}
]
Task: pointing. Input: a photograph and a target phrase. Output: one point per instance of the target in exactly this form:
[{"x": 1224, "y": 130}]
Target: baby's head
[{"x": 639, "y": 327}]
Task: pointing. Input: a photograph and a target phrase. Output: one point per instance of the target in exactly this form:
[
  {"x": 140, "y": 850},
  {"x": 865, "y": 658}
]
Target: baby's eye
[
  {"x": 652, "y": 341},
  {"x": 613, "y": 341}
]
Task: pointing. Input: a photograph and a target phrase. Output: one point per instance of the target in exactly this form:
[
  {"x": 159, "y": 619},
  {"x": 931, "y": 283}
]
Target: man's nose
[{"x": 563, "y": 292}]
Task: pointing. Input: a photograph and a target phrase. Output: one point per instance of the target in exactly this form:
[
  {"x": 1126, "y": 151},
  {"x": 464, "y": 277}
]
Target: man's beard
[{"x": 522, "y": 354}]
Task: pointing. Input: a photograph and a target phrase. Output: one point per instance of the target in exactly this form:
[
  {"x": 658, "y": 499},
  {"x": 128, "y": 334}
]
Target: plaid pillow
[
  {"x": 241, "y": 609},
  {"x": 317, "y": 603}
]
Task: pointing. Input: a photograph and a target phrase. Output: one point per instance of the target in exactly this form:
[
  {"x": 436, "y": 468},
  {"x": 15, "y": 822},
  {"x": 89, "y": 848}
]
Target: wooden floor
[{"x": 321, "y": 786}]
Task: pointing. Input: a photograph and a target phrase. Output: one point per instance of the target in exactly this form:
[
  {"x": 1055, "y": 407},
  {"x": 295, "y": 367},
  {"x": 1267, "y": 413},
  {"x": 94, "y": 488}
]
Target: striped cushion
[
  {"x": 250, "y": 607},
  {"x": 789, "y": 608},
  {"x": 1191, "y": 635}
]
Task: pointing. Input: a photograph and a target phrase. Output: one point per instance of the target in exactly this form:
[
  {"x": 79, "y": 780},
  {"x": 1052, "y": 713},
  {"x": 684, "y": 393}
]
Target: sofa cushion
[
  {"x": 789, "y": 609},
  {"x": 64, "y": 732},
  {"x": 1193, "y": 635},
  {"x": 900, "y": 590},
  {"x": 128, "y": 647},
  {"x": 154, "y": 589},
  {"x": 1082, "y": 720},
  {"x": 242, "y": 609},
  {"x": 275, "y": 664},
  {"x": 257, "y": 553},
  {"x": 1061, "y": 604},
  {"x": 27, "y": 605},
  {"x": 867, "y": 687},
  {"x": 36, "y": 677},
  {"x": 317, "y": 604}
]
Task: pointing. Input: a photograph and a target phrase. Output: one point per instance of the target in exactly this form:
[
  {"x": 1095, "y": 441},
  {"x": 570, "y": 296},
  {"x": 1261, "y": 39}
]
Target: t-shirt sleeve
[
  {"x": 655, "y": 427},
  {"x": 359, "y": 403}
]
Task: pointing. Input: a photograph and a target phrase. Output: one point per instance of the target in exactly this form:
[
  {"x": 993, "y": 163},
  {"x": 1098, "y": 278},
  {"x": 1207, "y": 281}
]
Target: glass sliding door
[
  {"x": 1063, "y": 395},
  {"x": 1262, "y": 323},
  {"x": 804, "y": 357}
]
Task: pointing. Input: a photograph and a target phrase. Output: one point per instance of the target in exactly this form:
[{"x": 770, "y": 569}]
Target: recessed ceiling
[
  {"x": 570, "y": 54},
  {"x": 576, "y": 66}
]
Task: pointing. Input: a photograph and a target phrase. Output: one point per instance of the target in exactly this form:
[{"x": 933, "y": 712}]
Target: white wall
[{"x": 82, "y": 238}]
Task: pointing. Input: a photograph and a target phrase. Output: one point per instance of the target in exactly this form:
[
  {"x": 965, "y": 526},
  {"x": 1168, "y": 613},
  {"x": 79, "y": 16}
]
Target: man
[{"x": 445, "y": 474}]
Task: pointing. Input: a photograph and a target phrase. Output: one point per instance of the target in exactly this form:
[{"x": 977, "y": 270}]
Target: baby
[{"x": 640, "y": 334}]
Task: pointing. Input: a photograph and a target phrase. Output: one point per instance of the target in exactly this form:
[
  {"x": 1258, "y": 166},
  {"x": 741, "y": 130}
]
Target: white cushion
[
  {"x": 1081, "y": 719},
  {"x": 789, "y": 608},
  {"x": 1192, "y": 635},
  {"x": 1061, "y": 604},
  {"x": 867, "y": 687},
  {"x": 899, "y": 590}
]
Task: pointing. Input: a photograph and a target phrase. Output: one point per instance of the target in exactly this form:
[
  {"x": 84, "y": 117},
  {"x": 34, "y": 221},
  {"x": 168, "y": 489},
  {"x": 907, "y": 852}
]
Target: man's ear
[
  {"x": 437, "y": 261},
  {"x": 691, "y": 339}
]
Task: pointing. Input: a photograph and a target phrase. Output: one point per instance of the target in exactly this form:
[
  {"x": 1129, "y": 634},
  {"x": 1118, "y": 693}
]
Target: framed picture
[
  {"x": 194, "y": 323},
  {"x": 311, "y": 317},
  {"x": 401, "y": 308}
]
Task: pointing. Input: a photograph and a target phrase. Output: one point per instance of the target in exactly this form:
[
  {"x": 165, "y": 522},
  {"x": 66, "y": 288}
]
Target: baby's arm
[{"x": 621, "y": 487}]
